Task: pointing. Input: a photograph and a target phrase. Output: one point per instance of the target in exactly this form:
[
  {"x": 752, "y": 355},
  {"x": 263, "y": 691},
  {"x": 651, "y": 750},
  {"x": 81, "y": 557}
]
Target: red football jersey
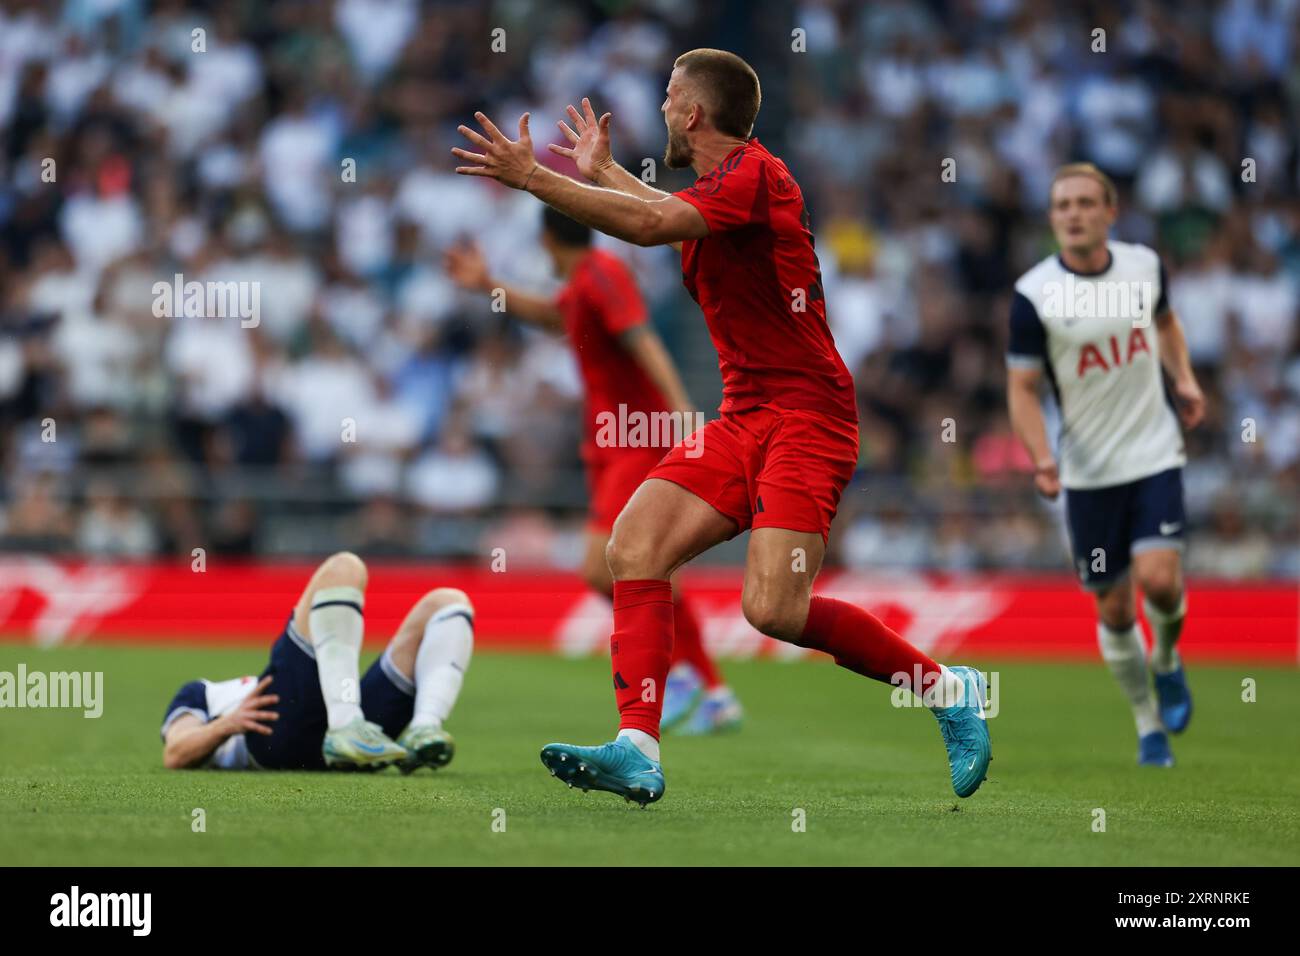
[
  {"x": 757, "y": 280},
  {"x": 601, "y": 301}
]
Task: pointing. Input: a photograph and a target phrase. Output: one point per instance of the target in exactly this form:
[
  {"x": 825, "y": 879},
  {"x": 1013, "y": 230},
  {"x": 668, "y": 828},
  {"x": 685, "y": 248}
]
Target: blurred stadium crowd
[{"x": 123, "y": 433}]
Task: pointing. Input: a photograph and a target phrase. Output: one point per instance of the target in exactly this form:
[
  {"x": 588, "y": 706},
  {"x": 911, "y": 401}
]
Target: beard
[{"x": 678, "y": 154}]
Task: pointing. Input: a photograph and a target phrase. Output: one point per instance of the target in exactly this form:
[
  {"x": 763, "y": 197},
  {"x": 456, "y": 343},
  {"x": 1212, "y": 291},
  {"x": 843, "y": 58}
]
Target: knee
[
  {"x": 439, "y": 598},
  {"x": 595, "y": 572},
  {"x": 342, "y": 569},
  {"x": 631, "y": 558},
  {"x": 1116, "y": 609},
  {"x": 774, "y": 614},
  {"x": 1161, "y": 587}
]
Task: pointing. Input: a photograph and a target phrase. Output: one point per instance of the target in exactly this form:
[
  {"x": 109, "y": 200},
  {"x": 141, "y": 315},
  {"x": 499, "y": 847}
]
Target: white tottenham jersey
[
  {"x": 207, "y": 700},
  {"x": 1095, "y": 337}
]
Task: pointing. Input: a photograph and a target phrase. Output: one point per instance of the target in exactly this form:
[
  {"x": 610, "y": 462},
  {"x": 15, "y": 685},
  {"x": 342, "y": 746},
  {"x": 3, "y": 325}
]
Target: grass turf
[{"x": 870, "y": 778}]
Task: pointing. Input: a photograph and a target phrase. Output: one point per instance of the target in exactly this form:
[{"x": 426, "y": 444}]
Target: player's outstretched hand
[
  {"x": 1191, "y": 403},
  {"x": 589, "y": 138},
  {"x": 251, "y": 716},
  {"x": 1047, "y": 480},
  {"x": 467, "y": 268},
  {"x": 510, "y": 162}
]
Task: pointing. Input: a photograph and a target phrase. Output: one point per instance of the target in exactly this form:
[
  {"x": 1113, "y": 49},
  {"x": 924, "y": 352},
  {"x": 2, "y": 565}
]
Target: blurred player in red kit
[
  {"x": 786, "y": 444},
  {"x": 626, "y": 372}
]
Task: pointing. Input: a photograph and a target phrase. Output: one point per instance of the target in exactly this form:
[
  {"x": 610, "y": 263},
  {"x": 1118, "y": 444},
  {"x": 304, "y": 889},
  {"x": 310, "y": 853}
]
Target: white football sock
[
  {"x": 946, "y": 691},
  {"x": 1166, "y": 626},
  {"x": 337, "y": 627},
  {"x": 441, "y": 663},
  {"x": 1125, "y": 655},
  {"x": 643, "y": 742}
]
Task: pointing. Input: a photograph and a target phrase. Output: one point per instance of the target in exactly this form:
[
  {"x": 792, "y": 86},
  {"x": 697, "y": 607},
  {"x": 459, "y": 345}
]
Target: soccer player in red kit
[
  {"x": 626, "y": 372},
  {"x": 786, "y": 445}
]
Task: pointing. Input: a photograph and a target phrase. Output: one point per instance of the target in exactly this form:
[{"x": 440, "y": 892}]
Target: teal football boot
[
  {"x": 966, "y": 734},
  {"x": 617, "y": 767}
]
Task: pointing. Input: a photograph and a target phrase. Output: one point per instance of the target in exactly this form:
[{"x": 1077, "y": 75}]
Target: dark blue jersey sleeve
[
  {"x": 192, "y": 698},
  {"x": 1027, "y": 343},
  {"x": 1162, "y": 303}
]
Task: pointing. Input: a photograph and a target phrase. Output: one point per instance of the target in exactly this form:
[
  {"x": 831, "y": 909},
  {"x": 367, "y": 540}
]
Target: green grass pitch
[{"x": 870, "y": 779}]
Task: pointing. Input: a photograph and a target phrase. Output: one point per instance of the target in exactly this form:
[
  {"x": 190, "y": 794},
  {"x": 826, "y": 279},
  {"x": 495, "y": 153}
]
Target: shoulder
[
  {"x": 1134, "y": 255},
  {"x": 602, "y": 272},
  {"x": 745, "y": 162},
  {"x": 191, "y": 699},
  {"x": 1031, "y": 283},
  {"x": 192, "y": 694},
  {"x": 601, "y": 263}
]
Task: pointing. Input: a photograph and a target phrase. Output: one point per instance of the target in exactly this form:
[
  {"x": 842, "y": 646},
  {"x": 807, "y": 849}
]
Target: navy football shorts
[
  {"x": 1109, "y": 525},
  {"x": 387, "y": 699}
]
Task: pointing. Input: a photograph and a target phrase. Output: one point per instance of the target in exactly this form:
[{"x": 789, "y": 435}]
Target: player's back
[{"x": 758, "y": 282}]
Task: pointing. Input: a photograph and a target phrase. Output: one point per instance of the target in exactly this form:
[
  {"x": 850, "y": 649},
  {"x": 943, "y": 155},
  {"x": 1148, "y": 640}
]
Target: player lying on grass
[
  {"x": 1121, "y": 449},
  {"x": 785, "y": 446},
  {"x": 623, "y": 364},
  {"x": 311, "y": 709}
]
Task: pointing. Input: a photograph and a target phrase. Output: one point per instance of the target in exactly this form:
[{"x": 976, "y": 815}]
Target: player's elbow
[
  {"x": 176, "y": 756},
  {"x": 648, "y": 228}
]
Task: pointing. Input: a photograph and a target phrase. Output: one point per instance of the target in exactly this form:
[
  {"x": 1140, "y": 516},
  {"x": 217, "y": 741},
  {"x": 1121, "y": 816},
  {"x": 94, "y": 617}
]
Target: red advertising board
[{"x": 48, "y": 601}]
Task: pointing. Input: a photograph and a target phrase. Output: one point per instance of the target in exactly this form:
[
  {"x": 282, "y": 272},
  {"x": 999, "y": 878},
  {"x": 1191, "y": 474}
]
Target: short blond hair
[{"x": 1091, "y": 172}]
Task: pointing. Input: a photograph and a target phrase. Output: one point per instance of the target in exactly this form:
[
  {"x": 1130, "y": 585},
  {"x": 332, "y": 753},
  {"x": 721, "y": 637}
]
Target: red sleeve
[
  {"x": 612, "y": 289},
  {"x": 732, "y": 195}
]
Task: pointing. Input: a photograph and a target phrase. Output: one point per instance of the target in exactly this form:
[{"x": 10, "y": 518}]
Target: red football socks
[
  {"x": 688, "y": 648},
  {"x": 859, "y": 641},
  {"x": 640, "y": 649}
]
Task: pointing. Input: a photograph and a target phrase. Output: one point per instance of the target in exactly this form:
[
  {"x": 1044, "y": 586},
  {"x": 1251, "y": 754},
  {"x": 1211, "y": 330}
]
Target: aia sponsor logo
[{"x": 1111, "y": 353}]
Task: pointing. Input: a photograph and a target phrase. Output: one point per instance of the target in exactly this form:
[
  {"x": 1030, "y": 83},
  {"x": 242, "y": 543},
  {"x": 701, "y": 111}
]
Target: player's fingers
[
  {"x": 568, "y": 132},
  {"x": 473, "y": 137},
  {"x": 524, "y": 135},
  {"x": 473, "y": 171},
  {"x": 264, "y": 700},
  {"x": 260, "y": 715},
  {"x": 259, "y": 728},
  {"x": 561, "y": 150},
  {"x": 262, "y": 684},
  {"x": 604, "y": 122},
  {"x": 490, "y": 126},
  {"x": 587, "y": 111},
  {"x": 578, "y": 122},
  {"x": 466, "y": 154}
]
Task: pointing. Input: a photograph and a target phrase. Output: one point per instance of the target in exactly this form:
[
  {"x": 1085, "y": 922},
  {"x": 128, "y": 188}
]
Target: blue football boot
[
  {"x": 1153, "y": 750},
  {"x": 1175, "y": 699},
  {"x": 618, "y": 767},
  {"x": 966, "y": 734}
]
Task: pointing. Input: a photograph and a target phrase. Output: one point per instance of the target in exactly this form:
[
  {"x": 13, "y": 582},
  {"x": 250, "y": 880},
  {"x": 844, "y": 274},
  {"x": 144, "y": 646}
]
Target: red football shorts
[
  {"x": 768, "y": 467},
  {"x": 612, "y": 475}
]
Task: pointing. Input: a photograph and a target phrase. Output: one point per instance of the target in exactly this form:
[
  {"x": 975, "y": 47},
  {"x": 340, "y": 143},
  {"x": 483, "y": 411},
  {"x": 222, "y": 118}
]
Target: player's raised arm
[
  {"x": 589, "y": 149},
  {"x": 467, "y": 268},
  {"x": 645, "y": 222}
]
